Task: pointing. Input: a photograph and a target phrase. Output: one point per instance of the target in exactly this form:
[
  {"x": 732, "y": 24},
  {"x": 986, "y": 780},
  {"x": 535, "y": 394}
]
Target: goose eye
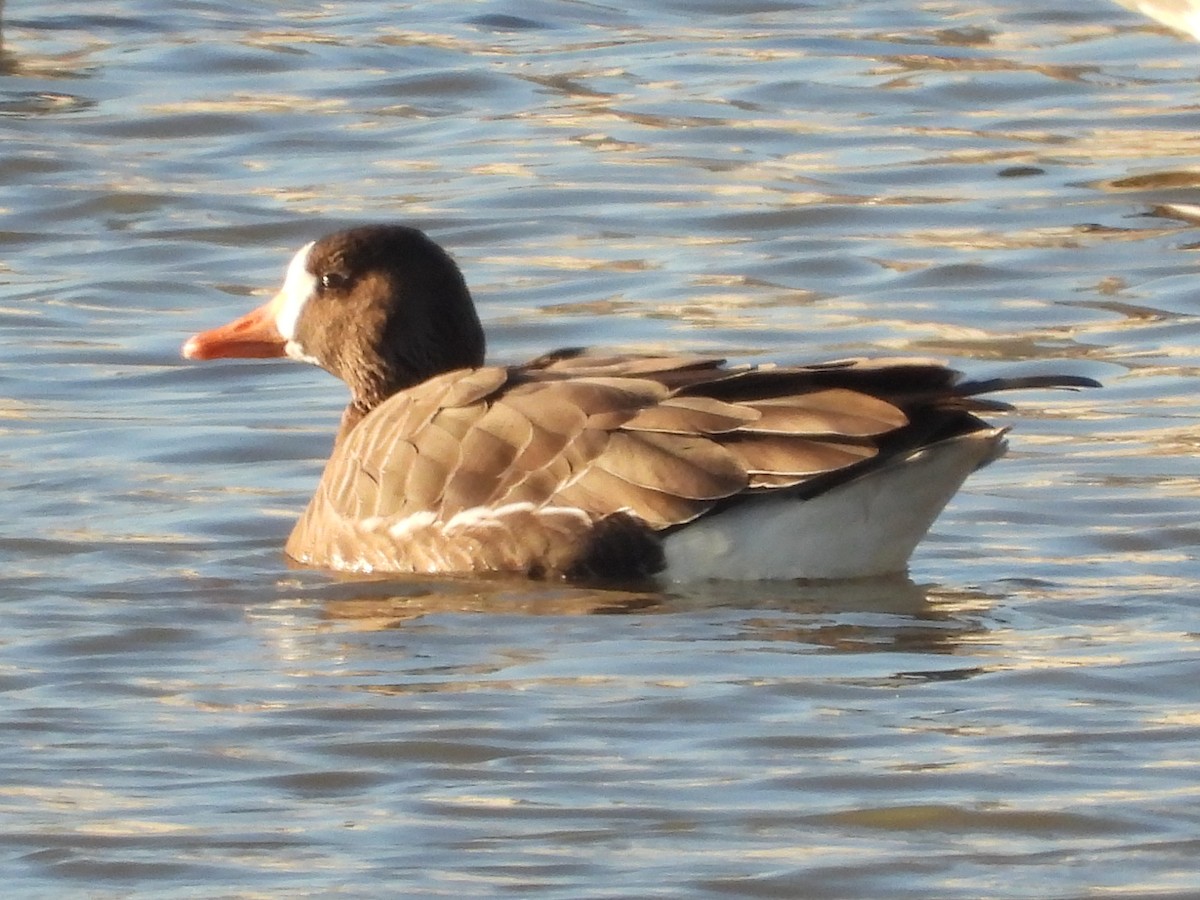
[{"x": 333, "y": 281}]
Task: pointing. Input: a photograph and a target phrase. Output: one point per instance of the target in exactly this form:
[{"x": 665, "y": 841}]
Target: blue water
[{"x": 1004, "y": 186}]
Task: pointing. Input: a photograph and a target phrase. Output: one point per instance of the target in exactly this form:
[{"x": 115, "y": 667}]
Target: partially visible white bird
[{"x": 1181, "y": 15}]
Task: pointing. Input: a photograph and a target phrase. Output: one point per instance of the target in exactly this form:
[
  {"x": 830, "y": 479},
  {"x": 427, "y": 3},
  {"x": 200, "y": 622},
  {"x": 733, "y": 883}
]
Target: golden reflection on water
[
  {"x": 923, "y": 63},
  {"x": 369, "y": 605},
  {"x": 378, "y": 612},
  {"x": 246, "y": 103}
]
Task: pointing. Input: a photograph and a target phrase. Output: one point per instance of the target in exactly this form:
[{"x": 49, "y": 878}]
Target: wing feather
[
  {"x": 686, "y": 466},
  {"x": 834, "y": 411},
  {"x": 495, "y": 438},
  {"x": 693, "y": 415},
  {"x": 609, "y": 494},
  {"x": 795, "y": 456},
  {"x": 438, "y": 454}
]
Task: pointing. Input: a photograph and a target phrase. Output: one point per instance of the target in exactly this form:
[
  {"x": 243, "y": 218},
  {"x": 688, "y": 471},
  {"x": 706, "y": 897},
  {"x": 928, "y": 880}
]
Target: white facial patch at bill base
[{"x": 299, "y": 285}]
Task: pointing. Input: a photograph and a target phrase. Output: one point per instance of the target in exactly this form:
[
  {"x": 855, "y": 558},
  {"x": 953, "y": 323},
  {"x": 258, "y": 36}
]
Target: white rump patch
[{"x": 865, "y": 527}]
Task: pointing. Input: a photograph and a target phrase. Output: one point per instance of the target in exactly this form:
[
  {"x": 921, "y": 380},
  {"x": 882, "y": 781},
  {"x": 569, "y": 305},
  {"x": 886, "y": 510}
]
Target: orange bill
[{"x": 253, "y": 336}]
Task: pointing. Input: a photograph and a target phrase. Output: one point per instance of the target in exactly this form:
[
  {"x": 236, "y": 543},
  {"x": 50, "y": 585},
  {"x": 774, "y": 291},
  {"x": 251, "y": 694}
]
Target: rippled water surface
[{"x": 1006, "y": 185}]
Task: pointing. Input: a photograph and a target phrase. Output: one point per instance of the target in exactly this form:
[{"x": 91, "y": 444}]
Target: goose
[{"x": 586, "y": 464}]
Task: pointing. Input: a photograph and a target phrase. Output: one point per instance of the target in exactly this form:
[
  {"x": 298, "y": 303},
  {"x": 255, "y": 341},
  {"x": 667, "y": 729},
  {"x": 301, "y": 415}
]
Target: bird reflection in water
[{"x": 891, "y": 614}]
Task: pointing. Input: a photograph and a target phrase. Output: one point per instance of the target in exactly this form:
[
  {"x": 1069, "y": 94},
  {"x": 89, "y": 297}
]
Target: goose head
[{"x": 382, "y": 307}]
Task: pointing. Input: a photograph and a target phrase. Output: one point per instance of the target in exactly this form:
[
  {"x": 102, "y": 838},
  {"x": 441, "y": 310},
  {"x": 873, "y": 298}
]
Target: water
[{"x": 1003, "y": 185}]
